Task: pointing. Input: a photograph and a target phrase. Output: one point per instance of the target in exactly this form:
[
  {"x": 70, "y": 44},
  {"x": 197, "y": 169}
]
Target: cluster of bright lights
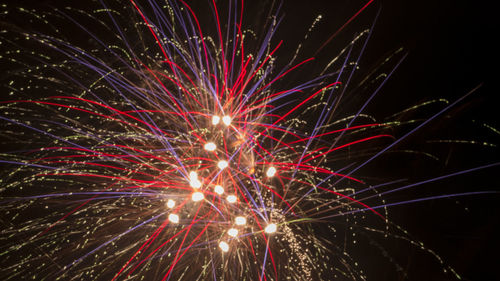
[
  {"x": 225, "y": 119},
  {"x": 198, "y": 195},
  {"x": 240, "y": 220}
]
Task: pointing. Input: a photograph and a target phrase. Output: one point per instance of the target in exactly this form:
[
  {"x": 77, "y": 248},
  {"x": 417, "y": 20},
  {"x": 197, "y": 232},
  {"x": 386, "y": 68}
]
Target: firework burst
[{"x": 158, "y": 144}]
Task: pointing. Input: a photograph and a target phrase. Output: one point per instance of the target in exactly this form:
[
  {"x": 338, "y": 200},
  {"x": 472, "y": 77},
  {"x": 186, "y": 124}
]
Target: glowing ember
[
  {"x": 210, "y": 146},
  {"x": 219, "y": 189},
  {"x": 197, "y": 196},
  {"x": 170, "y": 203},
  {"x": 270, "y": 228},
  {"x": 173, "y": 218},
  {"x": 240, "y": 220},
  {"x": 231, "y": 198},
  {"x": 224, "y": 246},
  {"x": 222, "y": 164},
  {"x": 233, "y": 232}
]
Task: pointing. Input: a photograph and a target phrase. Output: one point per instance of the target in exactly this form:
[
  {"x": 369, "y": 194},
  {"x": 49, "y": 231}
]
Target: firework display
[{"x": 167, "y": 140}]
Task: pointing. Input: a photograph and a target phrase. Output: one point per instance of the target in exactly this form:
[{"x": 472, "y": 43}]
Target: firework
[{"x": 165, "y": 143}]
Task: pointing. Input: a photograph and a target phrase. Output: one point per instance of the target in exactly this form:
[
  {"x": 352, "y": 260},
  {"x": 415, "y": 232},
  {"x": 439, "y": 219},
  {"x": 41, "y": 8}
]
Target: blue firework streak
[{"x": 158, "y": 144}]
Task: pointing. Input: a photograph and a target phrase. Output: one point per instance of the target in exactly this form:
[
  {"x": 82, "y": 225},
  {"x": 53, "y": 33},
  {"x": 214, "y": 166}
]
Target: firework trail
[{"x": 167, "y": 141}]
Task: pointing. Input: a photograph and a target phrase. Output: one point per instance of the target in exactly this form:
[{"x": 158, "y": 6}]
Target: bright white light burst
[
  {"x": 219, "y": 189},
  {"x": 224, "y": 246},
  {"x": 233, "y": 232},
  {"x": 173, "y": 218},
  {"x": 194, "y": 182},
  {"x": 210, "y": 146},
  {"x": 231, "y": 198},
  {"x": 270, "y": 228},
  {"x": 271, "y": 172},
  {"x": 240, "y": 220},
  {"x": 226, "y": 120},
  {"x": 222, "y": 164},
  {"x": 170, "y": 203},
  {"x": 215, "y": 120},
  {"x": 197, "y": 196}
]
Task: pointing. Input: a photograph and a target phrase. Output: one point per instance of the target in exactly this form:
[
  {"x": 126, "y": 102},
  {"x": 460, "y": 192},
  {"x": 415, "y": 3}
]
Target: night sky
[{"x": 450, "y": 52}]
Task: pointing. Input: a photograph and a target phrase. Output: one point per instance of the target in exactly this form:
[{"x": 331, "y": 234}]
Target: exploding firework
[{"x": 148, "y": 140}]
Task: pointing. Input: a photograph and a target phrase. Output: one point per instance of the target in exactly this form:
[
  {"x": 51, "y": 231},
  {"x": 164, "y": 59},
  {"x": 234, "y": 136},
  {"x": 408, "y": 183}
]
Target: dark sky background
[{"x": 450, "y": 51}]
